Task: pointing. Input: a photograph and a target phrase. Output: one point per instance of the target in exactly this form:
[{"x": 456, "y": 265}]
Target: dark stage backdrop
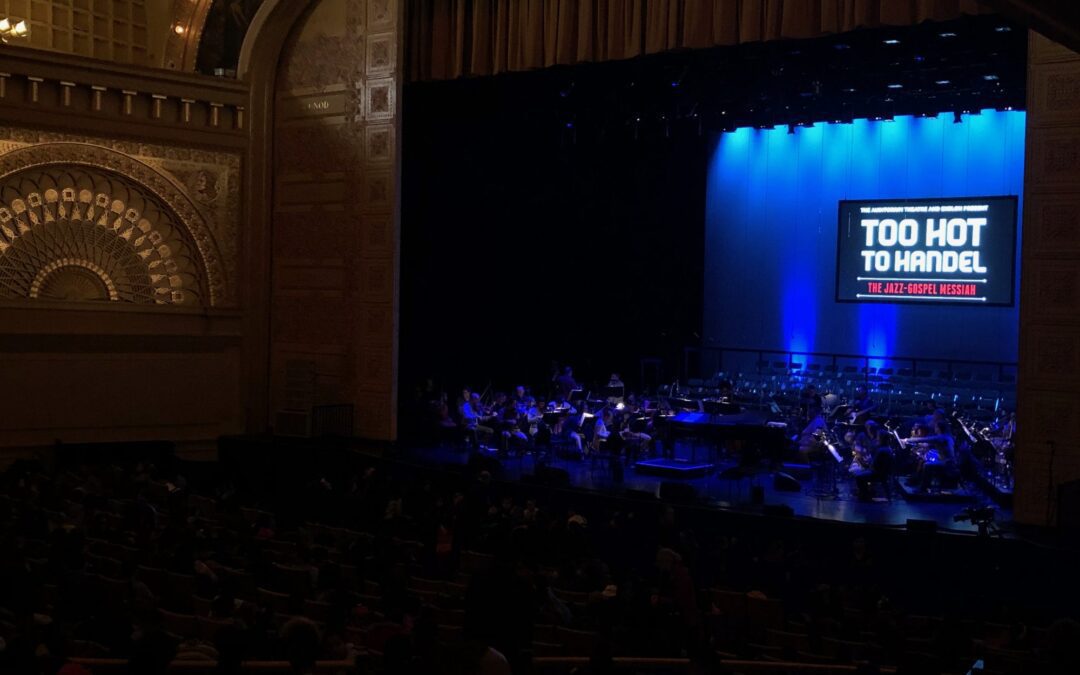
[
  {"x": 525, "y": 240},
  {"x": 771, "y": 229}
]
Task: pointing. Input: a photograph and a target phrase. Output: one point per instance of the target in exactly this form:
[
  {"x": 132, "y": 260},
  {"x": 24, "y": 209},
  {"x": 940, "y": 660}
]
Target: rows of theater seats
[
  {"x": 372, "y": 589},
  {"x": 901, "y": 390}
]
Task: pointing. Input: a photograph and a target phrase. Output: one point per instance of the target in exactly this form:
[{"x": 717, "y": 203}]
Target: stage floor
[{"x": 721, "y": 493}]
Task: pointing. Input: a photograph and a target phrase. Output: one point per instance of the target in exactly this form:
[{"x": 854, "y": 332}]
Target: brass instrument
[{"x": 860, "y": 458}]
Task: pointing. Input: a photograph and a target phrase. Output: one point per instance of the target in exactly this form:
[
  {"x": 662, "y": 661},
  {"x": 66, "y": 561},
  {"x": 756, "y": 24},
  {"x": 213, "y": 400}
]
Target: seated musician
[
  {"x": 601, "y": 431},
  {"x": 520, "y": 395},
  {"x": 510, "y": 425},
  {"x": 635, "y": 431},
  {"x": 441, "y": 410},
  {"x": 1008, "y": 430},
  {"x": 476, "y": 420},
  {"x": 616, "y": 390},
  {"x": 871, "y": 458},
  {"x": 573, "y": 426},
  {"x": 861, "y": 406},
  {"x": 533, "y": 416},
  {"x": 808, "y": 438},
  {"x": 936, "y": 455},
  {"x": 873, "y": 435}
]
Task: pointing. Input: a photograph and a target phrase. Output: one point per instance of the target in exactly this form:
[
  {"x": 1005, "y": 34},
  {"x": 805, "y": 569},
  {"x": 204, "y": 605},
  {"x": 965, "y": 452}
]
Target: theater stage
[{"x": 713, "y": 490}]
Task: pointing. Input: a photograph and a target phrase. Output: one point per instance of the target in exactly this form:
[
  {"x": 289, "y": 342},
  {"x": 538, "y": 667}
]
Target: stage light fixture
[
  {"x": 990, "y": 77},
  {"x": 943, "y": 82},
  {"x": 1003, "y": 29},
  {"x": 895, "y": 85},
  {"x": 947, "y": 34},
  {"x": 890, "y": 41}
]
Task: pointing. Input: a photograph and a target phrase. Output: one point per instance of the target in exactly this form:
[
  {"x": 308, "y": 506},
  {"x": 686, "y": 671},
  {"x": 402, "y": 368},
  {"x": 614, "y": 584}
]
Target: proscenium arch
[
  {"x": 270, "y": 28},
  {"x": 171, "y": 194},
  {"x": 260, "y": 54}
]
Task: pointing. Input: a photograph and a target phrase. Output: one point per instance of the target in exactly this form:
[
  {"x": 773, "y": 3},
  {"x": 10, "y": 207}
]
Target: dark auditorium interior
[{"x": 539, "y": 337}]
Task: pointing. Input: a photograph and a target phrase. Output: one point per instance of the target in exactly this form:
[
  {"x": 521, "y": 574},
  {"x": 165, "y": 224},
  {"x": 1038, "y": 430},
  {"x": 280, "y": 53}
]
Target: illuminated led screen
[{"x": 960, "y": 251}]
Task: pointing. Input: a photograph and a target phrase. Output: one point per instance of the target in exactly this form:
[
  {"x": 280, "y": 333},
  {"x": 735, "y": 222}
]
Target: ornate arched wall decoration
[
  {"x": 80, "y": 222},
  {"x": 182, "y": 44}
]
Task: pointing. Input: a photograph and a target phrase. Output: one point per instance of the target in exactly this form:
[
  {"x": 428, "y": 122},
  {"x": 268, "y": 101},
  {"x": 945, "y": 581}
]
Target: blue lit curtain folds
[{"x": 455, "y": 38}]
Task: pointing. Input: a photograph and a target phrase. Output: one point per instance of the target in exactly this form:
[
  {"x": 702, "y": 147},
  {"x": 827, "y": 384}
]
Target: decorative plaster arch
[
  {"x": 144, "y": 176},
  {"x": 270, "y": 27},
  {"x": 182, "y": 49}
]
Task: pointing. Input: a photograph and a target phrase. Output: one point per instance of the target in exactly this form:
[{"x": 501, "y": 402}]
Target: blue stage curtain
[{"x": 456, "y": 38}]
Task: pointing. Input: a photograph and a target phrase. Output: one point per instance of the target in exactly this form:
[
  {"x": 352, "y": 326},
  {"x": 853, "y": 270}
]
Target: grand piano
[{"x": 745, "y": 430}]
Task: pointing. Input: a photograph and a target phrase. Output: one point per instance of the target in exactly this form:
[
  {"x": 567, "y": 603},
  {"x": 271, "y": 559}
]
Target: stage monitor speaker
[
  {"x": 552, "y": 477},
  {"x": 785, "y": 482},
  {"x": 918, "y": 526},
  {"x": 677, "y": 493},
  {"x": 778, "y": 511}
]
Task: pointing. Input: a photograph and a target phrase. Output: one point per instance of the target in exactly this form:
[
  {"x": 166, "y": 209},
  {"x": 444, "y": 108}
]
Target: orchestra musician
[
  {"x": 936, "y": 455},
  {"x": 574, "y": 426},
  {"x": 510, "y": 423},
  {"x": 532, "y": 416},
  {"x": 600, "y": 430},
  {"x": 807, "y": 441},
  {"x": 861, "y": 406},
  {"x": 1008, "y": 430},
  {"x": 616, "y": 390},
  {"x": 809, "y": 399},
  {"x": 475, "y": 419},
  {"x": 871, "y": 458},
  {"x": 565, "y": 382},
  {"x": 635, "y": 429}
]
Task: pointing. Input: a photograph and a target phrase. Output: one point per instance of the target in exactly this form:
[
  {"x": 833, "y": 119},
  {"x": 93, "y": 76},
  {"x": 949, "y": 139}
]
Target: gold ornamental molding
[
  {"x": 110, "y": 212},
  {"x": 41, "y": 84}
]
